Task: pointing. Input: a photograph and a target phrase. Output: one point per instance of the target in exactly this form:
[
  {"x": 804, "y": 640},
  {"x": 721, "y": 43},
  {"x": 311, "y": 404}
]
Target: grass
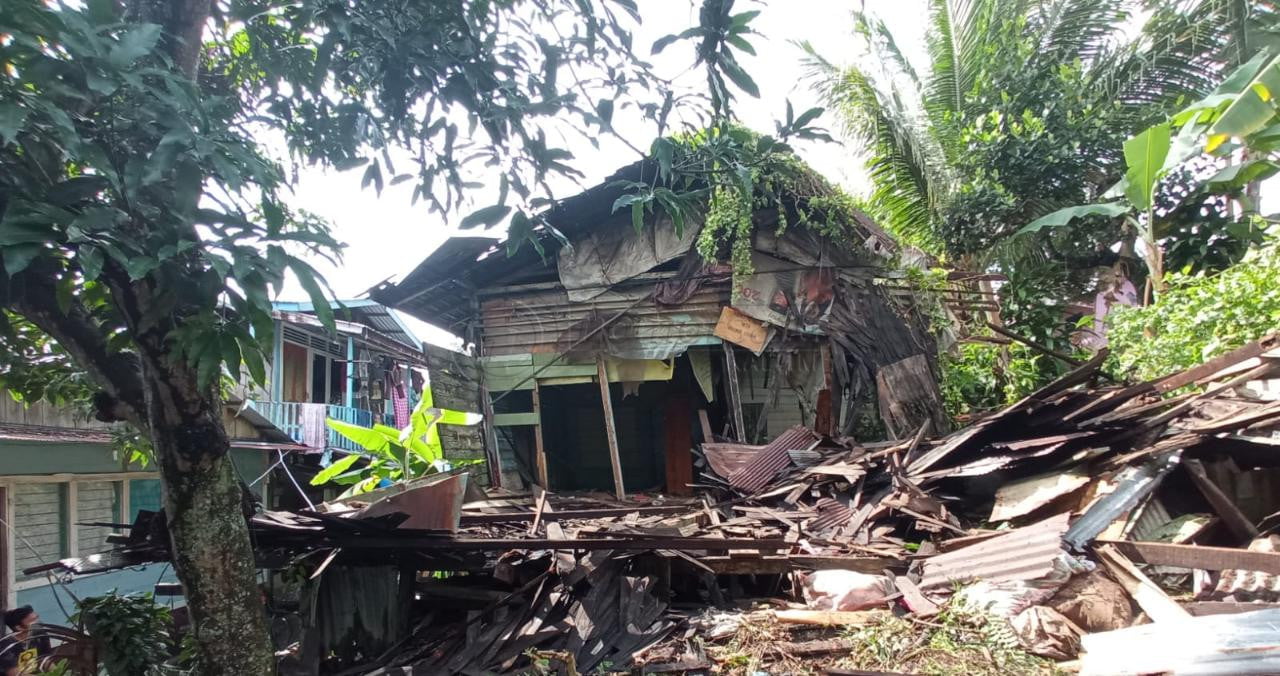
[{"x": 956, "y": 641}]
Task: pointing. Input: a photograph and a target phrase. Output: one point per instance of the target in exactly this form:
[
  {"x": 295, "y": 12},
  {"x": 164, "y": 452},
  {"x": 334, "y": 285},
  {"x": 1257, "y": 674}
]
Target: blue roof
[{"x": 372, "y": 314}]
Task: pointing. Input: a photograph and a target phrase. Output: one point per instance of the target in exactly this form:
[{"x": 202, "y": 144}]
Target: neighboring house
[
  {"x": 817, "y": 335},
  {"x": 61, "y": 474},
  {"x": 370, "y": 369}
]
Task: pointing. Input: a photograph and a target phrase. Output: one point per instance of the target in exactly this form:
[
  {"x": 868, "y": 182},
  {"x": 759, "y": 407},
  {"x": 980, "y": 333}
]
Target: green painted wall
[
  {"x": 34, "y": 457},
  {"x": 19, "y": 458}
]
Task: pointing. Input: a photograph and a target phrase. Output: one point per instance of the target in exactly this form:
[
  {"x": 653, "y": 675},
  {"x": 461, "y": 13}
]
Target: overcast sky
[{"x": 387, "y": 237}]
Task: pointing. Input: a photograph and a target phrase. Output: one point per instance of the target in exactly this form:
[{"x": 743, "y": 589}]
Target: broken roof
[{"x": 432, "y": 291}]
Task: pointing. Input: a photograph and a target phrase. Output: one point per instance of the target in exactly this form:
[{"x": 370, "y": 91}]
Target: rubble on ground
[{"x": 1078, "y": 524}]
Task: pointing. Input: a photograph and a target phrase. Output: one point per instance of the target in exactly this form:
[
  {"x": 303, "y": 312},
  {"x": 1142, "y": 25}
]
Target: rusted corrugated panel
[
  {"x": 771, "y": 459},
  {"x": 538, "y": 322},
  {"x": 434, "y": 503},
  {"x": 725, "y": 459},
  {"x": 831, "y": 514},
  {"x": 1022, "y": 554}
]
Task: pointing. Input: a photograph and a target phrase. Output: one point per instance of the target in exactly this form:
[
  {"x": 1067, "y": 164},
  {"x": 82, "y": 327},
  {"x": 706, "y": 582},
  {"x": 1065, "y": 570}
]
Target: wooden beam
[
  {"x": 540, "y": 452},
  {"x": 734, "y": 394},
  {"x": 610, "y": 430},
  {"x": 567, "y": 515},
  {"x": 1195, "y": 556},
  {"x": 1231, "y": 516},
  {"x": 1158, "y": 606}
]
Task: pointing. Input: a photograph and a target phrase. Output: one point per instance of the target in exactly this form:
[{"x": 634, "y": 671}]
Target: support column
[
  {"x": 351, "y": 372},
  {"x": 611, "y": 432},
  {"x": 540, "y": 457},
  {"x": 734, "y": 394},
  {"x": 277, "y": 362}
]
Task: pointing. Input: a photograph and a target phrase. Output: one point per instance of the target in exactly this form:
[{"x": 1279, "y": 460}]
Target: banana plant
[
  {"x": 395, "y": 454},
  {"x": 1238, "y": 122}
]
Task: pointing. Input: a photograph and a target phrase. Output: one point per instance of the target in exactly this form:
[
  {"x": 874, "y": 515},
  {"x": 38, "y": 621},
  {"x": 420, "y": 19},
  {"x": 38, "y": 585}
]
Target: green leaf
[
  {"x": 75, "y": 189},
  {"x": 1253, "y": 108},
  {"x": 605, "y": 110},
  {"x": 378, "y": 440},
  {"x": 253, "y": 360},
  {"x": 741, "y": 43},
  {"x": 740, "y": 21},
  {"x": 740, "y": 77},
  {"x": 135, "y": 44},
  {"x": 1064, "y": 216},
  {"x": 334, "y": 469},
  {"x": 19, "y": 256},
  {"x": 626, "y": 201},
  {"x": 319, "y": 302},
  {"x": 11, "y": 118},
  {"x": 1239, "y": 175},
  {"x": 637, "y": 216},
  {"x": 91, "y": 261},
  {"x": 208, "y": 360},
  {"x": 666, "y": 40},
  {"x": 486, "y": 217},
  {"x": 1144, "y": 156},
  {"x": 663, "y": 150},
  {"x": 806, "y": 117},
  {"x": 231, "y": 354}
]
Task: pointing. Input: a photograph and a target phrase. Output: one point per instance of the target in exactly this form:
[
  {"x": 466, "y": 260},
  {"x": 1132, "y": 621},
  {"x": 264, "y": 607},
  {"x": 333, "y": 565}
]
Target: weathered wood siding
[{"x": 541, "y": 321}]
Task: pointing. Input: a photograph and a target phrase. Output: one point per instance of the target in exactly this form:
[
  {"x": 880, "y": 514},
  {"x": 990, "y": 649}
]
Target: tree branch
[{"x": 32, "y": 294}]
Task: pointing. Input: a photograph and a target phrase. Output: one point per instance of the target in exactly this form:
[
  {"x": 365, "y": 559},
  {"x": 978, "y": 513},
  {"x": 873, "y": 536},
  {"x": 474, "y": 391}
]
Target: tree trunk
[{"x": 212, "y": 554}]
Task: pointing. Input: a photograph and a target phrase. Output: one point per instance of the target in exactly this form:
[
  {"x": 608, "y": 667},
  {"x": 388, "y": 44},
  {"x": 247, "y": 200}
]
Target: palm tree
[{"x": 1023, "y": 108}]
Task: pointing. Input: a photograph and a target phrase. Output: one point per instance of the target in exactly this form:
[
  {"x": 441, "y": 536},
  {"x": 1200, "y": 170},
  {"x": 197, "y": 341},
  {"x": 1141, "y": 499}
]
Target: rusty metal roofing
[
  {"x": 831, "y": 514},
  {"x": 725, "y": 458},
  {"x": 772, "y": 459},
  {"x": 1022, "y": 554}
]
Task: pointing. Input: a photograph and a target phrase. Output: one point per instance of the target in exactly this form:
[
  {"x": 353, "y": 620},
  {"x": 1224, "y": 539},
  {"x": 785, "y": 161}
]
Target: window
[
  {"x": 39, "y": 516},
  {"x": 48, "y": 518}
]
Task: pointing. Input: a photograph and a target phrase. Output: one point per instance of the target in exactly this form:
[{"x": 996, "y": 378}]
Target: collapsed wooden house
[{"x": 822, "y": 332}]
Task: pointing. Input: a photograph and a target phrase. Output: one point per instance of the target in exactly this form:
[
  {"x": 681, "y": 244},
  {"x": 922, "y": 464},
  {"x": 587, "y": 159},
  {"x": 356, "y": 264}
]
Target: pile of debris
[{"x": 1128, "y": 527}]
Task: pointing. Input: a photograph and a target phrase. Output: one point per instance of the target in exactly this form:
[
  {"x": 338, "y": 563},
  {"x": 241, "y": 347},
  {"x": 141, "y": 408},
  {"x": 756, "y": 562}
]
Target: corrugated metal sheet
[
  {"x": 1137, "y": 483},
  {"x": 771, "y": 459},
  {"x": 725, "y": 459},
  {"x": 831, "y": 514},
  {"x": 544, "y": 321},
  {"x": 1242, "y": 643},
  {"x": 1022, "y": 554}
]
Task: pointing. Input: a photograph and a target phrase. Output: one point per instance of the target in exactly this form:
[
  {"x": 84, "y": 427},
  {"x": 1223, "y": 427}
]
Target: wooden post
[
  {"x": 734, "y": 397},
  {"x": 610, "y": 431},
  {"x": 540, "y": 457},
  {"x": 678, "y": 428}
]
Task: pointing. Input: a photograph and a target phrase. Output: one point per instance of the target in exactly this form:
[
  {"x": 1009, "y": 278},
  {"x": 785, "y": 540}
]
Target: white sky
[{"x": 387, "y": 237}]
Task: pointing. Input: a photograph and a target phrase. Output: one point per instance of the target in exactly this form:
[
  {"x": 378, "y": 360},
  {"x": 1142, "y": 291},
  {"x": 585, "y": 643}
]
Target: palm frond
[
  {"x": 1077, "y": 29},
  {"x": 903, "y": 166}
]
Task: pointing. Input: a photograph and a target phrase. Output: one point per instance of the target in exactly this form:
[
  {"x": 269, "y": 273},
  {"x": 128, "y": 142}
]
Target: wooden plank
[
  {"x": 540, "y": 452},
  {"x": 829, "y": 618},
  {"x": 914, "y": 598},
  {"x": 514, "y": 419},
  {"x": 566, "y": 515},
  {"x": 705, "y": 422},
  {"x": 610, "y": 430},
  {"x": 1196, "y": 556},
  {"x": 1217, "y": 364},
  {"x": 734, "y": 394},
  {"x": 1158, "y": 606},
  {"x": 740, "y": 329},
  {"x": 678, "y": 432},
  {"x": 1225, "y": 507}
]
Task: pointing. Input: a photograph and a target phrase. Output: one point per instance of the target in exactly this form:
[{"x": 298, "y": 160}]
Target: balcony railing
[{"x": 305, "y": 422}]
